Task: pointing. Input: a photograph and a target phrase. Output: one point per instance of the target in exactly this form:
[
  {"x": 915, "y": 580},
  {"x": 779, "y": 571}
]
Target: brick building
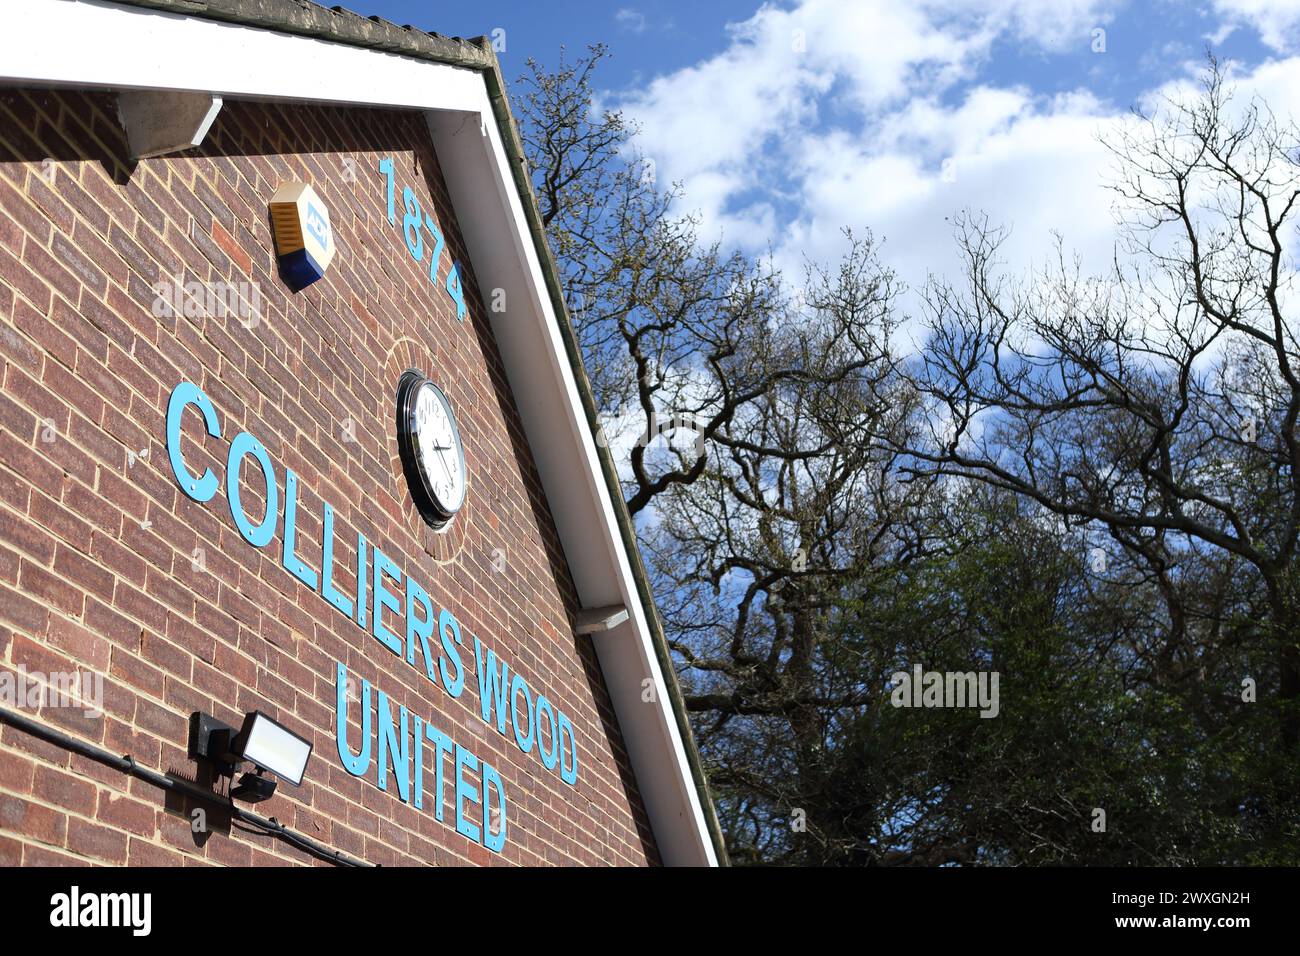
[{"x": 369, "y": 507}]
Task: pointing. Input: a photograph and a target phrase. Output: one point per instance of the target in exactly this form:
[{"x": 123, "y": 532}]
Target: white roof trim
[{"x": 100, "y": 44}]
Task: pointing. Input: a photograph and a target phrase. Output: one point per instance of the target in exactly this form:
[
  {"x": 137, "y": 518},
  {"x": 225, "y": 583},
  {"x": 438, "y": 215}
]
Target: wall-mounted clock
[{"x": 432, "y": 455}]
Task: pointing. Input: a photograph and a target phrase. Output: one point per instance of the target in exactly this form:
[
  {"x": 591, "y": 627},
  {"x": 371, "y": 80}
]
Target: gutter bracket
[
  {"x": 597, "y": 620},
  {"x": 158, "y": 122}
]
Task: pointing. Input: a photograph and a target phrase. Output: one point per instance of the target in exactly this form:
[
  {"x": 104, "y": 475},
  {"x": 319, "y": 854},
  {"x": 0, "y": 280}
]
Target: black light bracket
[
  {"x": 254, "y": 787},
  {"x": 213, "y": 741}
]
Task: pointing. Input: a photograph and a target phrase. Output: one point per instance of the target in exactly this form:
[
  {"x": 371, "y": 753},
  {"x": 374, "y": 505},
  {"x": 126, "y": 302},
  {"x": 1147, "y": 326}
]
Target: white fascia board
[
  {"x": 89, "y": 43},
  {"x": 474, "y": 164},
  {"x": 93, "y": 43}
]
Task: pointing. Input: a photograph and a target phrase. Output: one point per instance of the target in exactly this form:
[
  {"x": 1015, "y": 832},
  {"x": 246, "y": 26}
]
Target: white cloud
[
  {"x": 631, "y": 20},
  {"x": 1276, "y": 21},
  {"x": 875, "y": 114},
  {"x": 1037, "y": 171},
  {"x": 836, "y": 113}
]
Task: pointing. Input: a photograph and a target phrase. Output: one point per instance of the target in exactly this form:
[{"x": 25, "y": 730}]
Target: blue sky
[
  {"x": 655, "y": 37},
  {"x": 786, "y": 122},
  {"x": 647, "y": 38}
]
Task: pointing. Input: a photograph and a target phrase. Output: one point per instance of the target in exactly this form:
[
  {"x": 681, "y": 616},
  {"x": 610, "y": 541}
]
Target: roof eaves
[
  {"x": 523, "y": 184},
  {"x": 335, "y": 24}
]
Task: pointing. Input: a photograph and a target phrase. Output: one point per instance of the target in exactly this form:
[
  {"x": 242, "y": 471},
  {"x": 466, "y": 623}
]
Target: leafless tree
[
  {"x": 1086, "y": 483},
  {"x": 677, "y": 334},
  {"x": 1158, "y": 403}
]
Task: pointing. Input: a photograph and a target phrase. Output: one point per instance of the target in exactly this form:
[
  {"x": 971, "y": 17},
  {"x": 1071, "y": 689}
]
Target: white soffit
[{"x": 88, "y": 43}]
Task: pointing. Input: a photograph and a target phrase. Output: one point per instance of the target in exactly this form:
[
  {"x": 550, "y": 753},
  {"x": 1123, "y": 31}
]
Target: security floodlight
[
  {"x": 272, "y": 747},
  {"x": 268, "y": 745}
]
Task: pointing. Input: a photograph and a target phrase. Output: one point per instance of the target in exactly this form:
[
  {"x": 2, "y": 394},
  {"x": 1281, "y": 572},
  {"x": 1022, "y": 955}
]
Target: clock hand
[{"x": 443, "y": 460}]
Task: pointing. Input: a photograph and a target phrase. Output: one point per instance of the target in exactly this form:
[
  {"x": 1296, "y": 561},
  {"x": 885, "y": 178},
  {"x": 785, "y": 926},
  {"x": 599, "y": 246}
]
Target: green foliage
[{"x": 1185, "y": 770}]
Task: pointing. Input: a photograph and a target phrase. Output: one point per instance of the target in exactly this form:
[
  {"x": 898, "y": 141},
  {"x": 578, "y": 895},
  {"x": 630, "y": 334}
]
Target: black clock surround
[{"x": 434, "y": 512}]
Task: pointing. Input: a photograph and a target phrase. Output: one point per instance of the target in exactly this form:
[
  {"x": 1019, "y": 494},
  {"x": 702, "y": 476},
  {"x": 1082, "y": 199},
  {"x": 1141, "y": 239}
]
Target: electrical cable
[{"x": 127, "y": 764}]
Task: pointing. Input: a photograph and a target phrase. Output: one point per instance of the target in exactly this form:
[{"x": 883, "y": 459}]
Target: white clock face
[{"x": 437, "y": 447}]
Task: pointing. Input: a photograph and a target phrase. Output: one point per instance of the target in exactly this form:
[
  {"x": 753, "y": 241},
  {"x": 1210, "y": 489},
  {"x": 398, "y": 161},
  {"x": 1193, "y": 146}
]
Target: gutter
[{"x": 523, "y": 185}]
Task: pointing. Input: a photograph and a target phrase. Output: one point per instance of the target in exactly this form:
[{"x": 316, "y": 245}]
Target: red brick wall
[{"x": 85, "y": 586}]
